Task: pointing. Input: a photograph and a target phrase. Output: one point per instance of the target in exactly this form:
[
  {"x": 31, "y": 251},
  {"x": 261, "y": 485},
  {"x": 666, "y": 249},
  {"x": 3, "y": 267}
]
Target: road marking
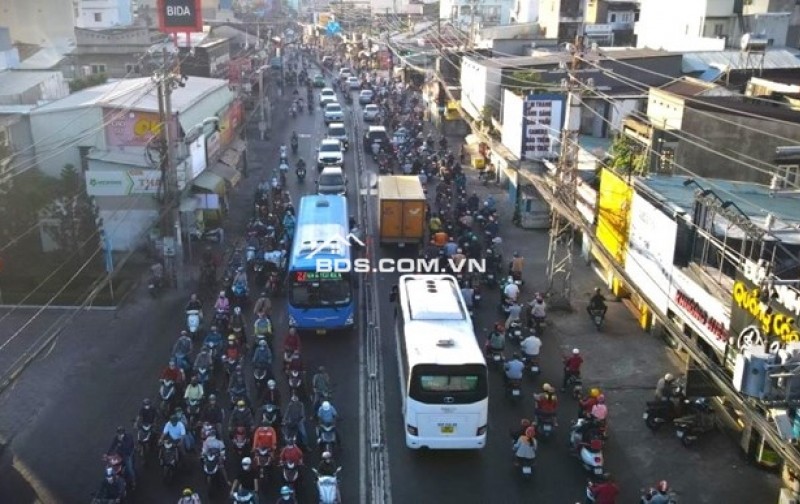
[{"x": 43, "y": 494}]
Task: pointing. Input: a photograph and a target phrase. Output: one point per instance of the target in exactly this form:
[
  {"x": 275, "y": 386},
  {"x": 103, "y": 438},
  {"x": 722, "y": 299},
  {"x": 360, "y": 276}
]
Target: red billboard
[{"x": 180, "y": 16}]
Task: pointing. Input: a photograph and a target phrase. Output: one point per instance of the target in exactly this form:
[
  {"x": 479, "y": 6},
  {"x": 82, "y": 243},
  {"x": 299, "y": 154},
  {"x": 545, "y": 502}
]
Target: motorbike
[
  {"x": 114, "y": 462},
  {"x": 221, "y": 319},
  {"x": 290, "y": 474},
  {"x": 296, "y": 383},
  {"x": 193, "y": 323},
  {"x": 598, "y": 317},
  {"x": 532, "y": 364},
  {"x": 211, "y": 465},
  {"x": 328, "y": 487},
  {"x": 658, "y": 413},
  {"x": 209, "y": 235},
  {"x": 525, "y": 467},
  {"x": 476, "y": 295},
  {"x": 154, "y": 285},
  {"x": 260, "y": 377},
  {"x": 589, "y": 453},
  {"x": 263, "y": 459},
  {"x": 169, "y": 459},
  {"x": 144, "y": 440},
  {"x": 496, "y": 357},
  {"x": 243, "y": 496},
  {"x": 515, "y": 331},
  {"x": 240, "y": 442},
  {"x": 203, "y": 375},
  {"x": 545, "y": 426},
  {"x": 327, "y": 437},
  {"x": 690, "y": 427},
  {"x": 514, "y": 389},
  {"x": 192, "y": 410},
  {"x": 538, "y": 324},
  {"x": 648, "y": 495},
  {"x": 239, "y": 291},
  {"x": 301, "y": 173},
  {"x": 167, "y": 394},
  {"x": 575, "y": 386},
  {"x": 294, "y": 145}
]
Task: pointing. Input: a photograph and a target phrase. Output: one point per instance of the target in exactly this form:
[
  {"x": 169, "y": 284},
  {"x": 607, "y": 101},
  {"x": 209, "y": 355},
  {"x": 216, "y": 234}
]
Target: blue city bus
[{"x": 321, "y": 301}]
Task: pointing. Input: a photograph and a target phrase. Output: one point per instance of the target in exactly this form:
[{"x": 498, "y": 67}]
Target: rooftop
[
  {"x": 686, "y": 86},
  {"x": 549, "y": 58},
  {"x": 702, "y": 61},
  {"x": 13, "y": 82},
  {"x": 743, "y": 106},
  {"x": 135, "y": 94},
  {"x": 755, "y": 200}
]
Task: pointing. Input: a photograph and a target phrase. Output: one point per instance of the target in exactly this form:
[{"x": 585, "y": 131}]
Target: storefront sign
[
  {"x": 212, "y": 147},
  {"x": 229, "y": 123},
  {"x": 702, "y": 312},
  {"x": 180, "y": 16},
  {"x": 755, "y": 322},
  {"x": 613, "y": 214},
  {"x": 197, "y": 151},
  {"x": 541, "y": 125},
  {"x": 130, "y": 129},
  {"x": 122, "y": 182},
  {"x": 650, "y": 251}
]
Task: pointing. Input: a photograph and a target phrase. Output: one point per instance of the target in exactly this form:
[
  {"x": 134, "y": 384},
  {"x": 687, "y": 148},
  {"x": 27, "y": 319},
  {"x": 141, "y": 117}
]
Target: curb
[{"x": 59, "y": 307}]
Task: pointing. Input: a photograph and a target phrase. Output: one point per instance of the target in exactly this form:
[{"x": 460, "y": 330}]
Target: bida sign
[
  {"x": 756, "y": 322},
  {"x": 180, "y": 16}
]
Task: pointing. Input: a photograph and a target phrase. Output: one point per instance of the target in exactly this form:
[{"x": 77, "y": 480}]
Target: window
[
  {"x": 612, "y": 17},
  {"x": 719, "y": 29},
  {"x": 132, "y": 68},
  {"x": 98, "y": 17},
  {"x": 788, "y": 176},
  {"x": 98, "y": 69}
]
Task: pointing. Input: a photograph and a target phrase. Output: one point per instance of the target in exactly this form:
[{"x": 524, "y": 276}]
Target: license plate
[
  {"x": 534, "y": 369},
  {"x": 448, "y": 428},
  {"x": 527, "y": 469},
  {"x": 321, "y": 331},
  {"x": 515, "y": 392},
  {"x": 680, "y": 434},
  {"x": 645, "y": 415},
  {"x": 547, "y": 427},
  {"x": 598, "y": 471},
  {"x": 496, "y": 358}
]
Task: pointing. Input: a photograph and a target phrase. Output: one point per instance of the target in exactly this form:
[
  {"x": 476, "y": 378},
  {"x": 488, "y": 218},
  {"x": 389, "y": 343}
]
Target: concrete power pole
[
  {"x": 562, "y": 232},
  {"x": 473, "y": 6}
]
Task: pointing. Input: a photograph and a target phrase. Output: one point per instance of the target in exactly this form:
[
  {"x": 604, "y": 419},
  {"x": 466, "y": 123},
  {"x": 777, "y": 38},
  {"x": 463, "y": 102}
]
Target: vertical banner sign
[
  {"x": 180, "y": 16},
  {"x": 541, "y": 125}
]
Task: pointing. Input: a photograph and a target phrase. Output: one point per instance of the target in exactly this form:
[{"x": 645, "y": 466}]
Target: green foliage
[
  {"x": 523, "y": 82},
  {"x": 74, "y": 214},
  {"x": 21, "y": 201},
  {"x": 87, "y": 82},
  {"x": 628, "y": 157}
]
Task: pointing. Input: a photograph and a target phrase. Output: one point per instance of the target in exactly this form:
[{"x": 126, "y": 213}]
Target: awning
[
  {"x": 228, "y": 173},
  {"x": 210, "y": 182},
  {"x": 231, "y": 158}
]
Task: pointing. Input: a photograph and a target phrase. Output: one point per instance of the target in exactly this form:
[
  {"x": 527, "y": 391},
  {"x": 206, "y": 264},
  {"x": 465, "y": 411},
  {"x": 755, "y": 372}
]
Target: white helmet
[
  {"x": 246, "y": 462},
  {"x": 575, "y": 351},
  {"x": 326, "y": 406}
]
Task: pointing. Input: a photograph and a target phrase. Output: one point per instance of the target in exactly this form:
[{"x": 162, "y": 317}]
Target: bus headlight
[
  {"x": 350, "y": 319},
  {"x": 292, "y": 321},
  {"x": 482, "y": 430},
  {"x": 412, "y": 430}
]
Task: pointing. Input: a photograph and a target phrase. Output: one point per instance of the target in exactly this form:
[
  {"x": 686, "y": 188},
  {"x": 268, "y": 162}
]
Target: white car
[
  {"x": 365, "y": 96},
  {"x": 339, "y": 132},
  {"x": 332, "y": 181},
  {"x": 330, "y": 153},
  {"x": 371, "y": 112},
  {"x": 353, "y": 83},
  {"x": 333, "y": 113},
  {"x": 345, "y": 72},
  {"x": 327, "y": 95}
]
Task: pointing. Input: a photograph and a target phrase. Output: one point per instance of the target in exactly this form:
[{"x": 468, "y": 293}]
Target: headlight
[{"x": 350, "y": 319}]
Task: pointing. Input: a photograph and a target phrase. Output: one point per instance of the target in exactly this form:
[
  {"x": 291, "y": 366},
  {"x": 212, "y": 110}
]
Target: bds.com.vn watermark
[{"x": 402, "y": 265}]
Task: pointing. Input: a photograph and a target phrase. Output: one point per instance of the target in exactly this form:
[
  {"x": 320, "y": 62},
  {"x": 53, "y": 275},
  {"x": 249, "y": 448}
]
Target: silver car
[
  {"x": 332, "y": 181},
  {"x": 371, "y": 112}
]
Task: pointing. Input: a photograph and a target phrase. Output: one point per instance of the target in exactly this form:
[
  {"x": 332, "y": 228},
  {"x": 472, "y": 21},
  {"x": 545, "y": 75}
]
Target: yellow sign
[
  {"x": 772, "y": 323},
  {"x": 613, "y": 214}
]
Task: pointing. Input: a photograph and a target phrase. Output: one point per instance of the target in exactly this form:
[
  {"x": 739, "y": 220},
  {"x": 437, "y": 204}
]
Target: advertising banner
[
  {"x": 613, "y": 214},
  {"x": 706, "y": 315},
  {"x": 122, "y": 182},
  {"x": 212, "y": 147},
  {"x": 229, "y": 123},
  {"x": 197, "y": 152},
  {"x": 650, "y": 251},
  {"x": 180, "y": 16},
  {"x": 541, "y": 125},
  {"x": 130, "y": 129},
  {"x": 763, "y": 319}
]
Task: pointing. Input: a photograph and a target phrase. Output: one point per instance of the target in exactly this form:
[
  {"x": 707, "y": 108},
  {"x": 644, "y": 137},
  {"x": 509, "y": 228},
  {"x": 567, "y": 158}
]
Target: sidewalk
[{"x": 626, "y": 363}]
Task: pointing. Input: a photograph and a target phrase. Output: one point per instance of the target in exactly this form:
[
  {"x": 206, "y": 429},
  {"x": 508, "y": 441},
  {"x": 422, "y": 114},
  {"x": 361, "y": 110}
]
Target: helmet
[
  {"x": 601, "y": 399},
  {"x": 212, "y": 398},
  {"x": 221, "y": 293},
  {"x": 663, "y": 486},
  {"x": 668, "y": 377},
  {"x": 285, "y": 490},
  {"x": 524, "y": 423},
  {"x": 516, "y": 254},
  {"x": 231, "y": 338},
  {"x": 184, "y": 333},
  {"x": 237, "y": 310},
  {"x": 240, "y": 269},
  {"x": 594, "y": 392},
  {"x": 597, "y": 290},
  {"x": 530, "y": 432},
  {"x": 262, "y": 343},
  {"x": 575, "y": 351},
  {"x": 547, "y": 387},
  {"x": 271, "y": 384},
  {"x": 146, "y": 402},
  {"x": 321, "y": 369},
  {"x": 240, "y": 403},
  {"x": 187, "y": 492},
  {"x": 246, "y": 462},
  {"x": 500, "y": 326},
  {"x": 326, "y": 406},
  {"x": 326, "y": 455}
]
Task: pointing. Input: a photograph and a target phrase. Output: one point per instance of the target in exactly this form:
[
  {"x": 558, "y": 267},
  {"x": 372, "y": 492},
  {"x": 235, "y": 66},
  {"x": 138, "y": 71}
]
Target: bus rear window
[{"x": 442, "y": 384}]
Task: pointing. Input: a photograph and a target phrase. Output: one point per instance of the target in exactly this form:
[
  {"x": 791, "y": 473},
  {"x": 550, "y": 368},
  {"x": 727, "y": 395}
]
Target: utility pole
[
  {"x": 170, "y": 221},
  {"x": 565, "y": 189},
  {"x": 473, "y": 6}
]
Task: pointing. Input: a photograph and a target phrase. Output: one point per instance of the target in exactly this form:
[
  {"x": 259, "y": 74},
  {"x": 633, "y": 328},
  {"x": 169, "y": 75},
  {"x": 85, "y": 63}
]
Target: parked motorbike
[
  {"x": 690, "y": 427},
  {"x": 328, "y": 487},
  {"x": 209, "y": 235},
  {"x": 193, "y": 323}
]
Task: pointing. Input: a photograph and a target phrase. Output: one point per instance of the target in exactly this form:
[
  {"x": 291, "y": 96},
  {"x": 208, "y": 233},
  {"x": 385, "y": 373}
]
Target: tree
[
  {"x": 21, "y": 201},
  {"x": 73, "y": 213},
  {"x": 524, "y": 81},
  {"x": 627, "y": 157}
]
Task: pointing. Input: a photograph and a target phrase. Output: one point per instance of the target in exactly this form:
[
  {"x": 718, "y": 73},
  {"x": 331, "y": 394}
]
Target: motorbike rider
[
  {"x": 189, "y": 496},
  {"x": 587, "y": 403},
  {"x": 147, "y": 414},
  {"x": 176, "y": 430},
  {"x": 468, "y": 293},
  {"x": 531, "y": 346},
  {"x": 496, "y": 342},
  {"x": 211, "y": 444},
  {"x": 113, "y": 487},
  {"x": 246, "y": 479},
  {"x": 434, "y": 224},
  {"x": 301, "y": 168},
  {"x": 124, "y": 445},
  {"x": 263, "y": 305},
  {"x": 525, "y": 446},
  {"x": 658, "y": 495},
  {"x": 287, "y": 496},
  {"x": 284, "y": 152},
  {"x": 513, "y": 369},
  {"x": 262, "y": 356},
  {"x": 511, "y": 290},
  {"x": 321, "y": 384},
  {"x": 194, "y": 391},
  {"x": 327, "y": 466},
  {"x": 326, "y": 414},
  {"x": 213, "y": 338},
  {"x": 473, "y": 202},
  {"x": 546, "y": 403},
  {"x": 295, "y": 416},
  {"x": 222, "y": 305},
  {"x": 294, "y": 138},
  {"x": 538, "y": 310},
  {"x": 597, "y": 303},
  {"x": 516, "y": 265},
  {"x": 240, "y": 278},
  {"x": 272, "y": 395},
  {"x": 241, "y": 416},
  {"x": 572, "y": 367},
  {"x": 665, "y": 387},
  {"x": 604, "y": 491},
  {"x": 203, "y": 359},
  {"x": 232, "y": 350},
  {"x": 173, "y": 373},
  {"x": 265, "y": 437},
  {"x": 195, "y": 304},
  {"x": 213, "y": 413},
  {"x": 514, "y": 312},
  {"x": 237, "y": 388},
  {"x": 182, "y": 349},
  {"x": 291, "y": 345},
  {"x": 291, "y": 453}
]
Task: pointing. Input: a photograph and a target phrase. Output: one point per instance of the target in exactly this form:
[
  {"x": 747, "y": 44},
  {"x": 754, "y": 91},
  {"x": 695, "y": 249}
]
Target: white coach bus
[{"x": 444, "y": 379}]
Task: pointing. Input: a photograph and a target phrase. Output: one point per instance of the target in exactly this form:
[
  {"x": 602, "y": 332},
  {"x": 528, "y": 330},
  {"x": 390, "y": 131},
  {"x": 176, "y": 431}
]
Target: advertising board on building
[
  {"x": 650, "y": 251},
  {"x": 613, "y": 214},
  {"x": 197, "y": 153},
  {"x": 212, "y": 147},
  {"x": 229, "y": 123},
  {"x": 180, "y": 16},
  {"x": 129, "y": 128},
  {"x": 543, "y": 117},
  {"x": 122, "y": 182},
  {"x": 706, "y": 315},
  {"x": 767, "y": 321}
]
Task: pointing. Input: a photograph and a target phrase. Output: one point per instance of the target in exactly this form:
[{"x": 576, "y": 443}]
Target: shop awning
[
  {"x": 210, "y": 182},
  {"x": 228, "y": 173}
]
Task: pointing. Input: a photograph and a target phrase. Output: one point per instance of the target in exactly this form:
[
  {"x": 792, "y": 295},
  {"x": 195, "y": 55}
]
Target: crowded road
[{"x": 103, "y": 365}]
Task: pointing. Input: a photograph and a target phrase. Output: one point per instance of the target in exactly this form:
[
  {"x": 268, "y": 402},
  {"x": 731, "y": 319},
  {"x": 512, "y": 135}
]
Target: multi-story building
[
  {"x": 525, "y": 11},
  {"x": 104, "y": 13},
  {"x": 114, "y": 52},
  {"x": 40, "y": 22},
  {"x": 465, "y": 13}
]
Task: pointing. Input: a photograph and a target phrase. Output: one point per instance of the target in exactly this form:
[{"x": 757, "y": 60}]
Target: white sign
[
  {"x": 541, "y": 125},
  {"x": 701, "y": 311},
  {"x": 650, "y": 251},
  {"x": 122, "y": 182},
  {"x": 197, "y": 151}
]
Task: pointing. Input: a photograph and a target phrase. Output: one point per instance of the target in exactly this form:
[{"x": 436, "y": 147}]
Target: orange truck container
[{"x": 402, "y": 209}]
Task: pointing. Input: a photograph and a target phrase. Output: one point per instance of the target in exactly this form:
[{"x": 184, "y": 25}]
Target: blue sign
[{"x": 333, "y": 27}]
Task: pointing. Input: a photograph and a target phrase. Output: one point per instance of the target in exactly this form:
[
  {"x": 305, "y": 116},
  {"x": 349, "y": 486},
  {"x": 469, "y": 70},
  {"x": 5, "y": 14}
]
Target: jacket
[
  {"x": 124, "y": 447},
  {"x": 194, "y": 392},
  {"x": 525, "y": 448}
]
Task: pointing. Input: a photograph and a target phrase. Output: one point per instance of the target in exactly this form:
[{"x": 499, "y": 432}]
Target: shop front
[{"x": 209, "y": 193}]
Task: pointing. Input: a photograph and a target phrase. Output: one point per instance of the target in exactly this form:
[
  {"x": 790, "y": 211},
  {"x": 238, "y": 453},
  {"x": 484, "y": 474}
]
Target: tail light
[
  {"x": 412, "y": 430},
  {"x": 598, "y": 460},
  {"x": 482, "y": 430}
]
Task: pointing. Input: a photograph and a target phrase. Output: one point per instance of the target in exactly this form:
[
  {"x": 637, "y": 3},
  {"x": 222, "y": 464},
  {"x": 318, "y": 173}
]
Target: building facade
[
  {"x": 115, "y": 52},
  {"x": 464, "y": 13},
  {"x": 104, "y": 13}
]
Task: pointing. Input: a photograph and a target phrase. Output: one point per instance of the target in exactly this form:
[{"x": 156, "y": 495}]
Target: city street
[{"x": 59, "y": 418}]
